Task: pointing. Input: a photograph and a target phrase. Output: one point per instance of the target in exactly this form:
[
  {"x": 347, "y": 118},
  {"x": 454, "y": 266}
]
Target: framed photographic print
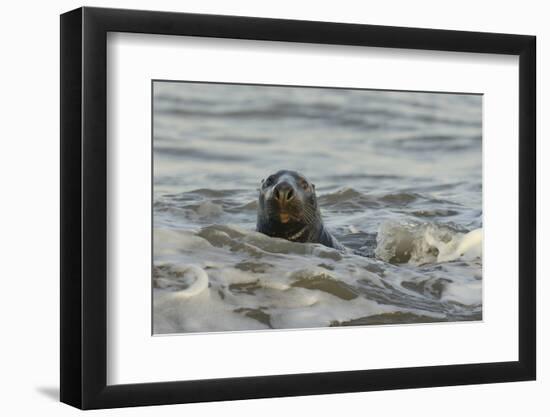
[{"x": 258, "y": 207}]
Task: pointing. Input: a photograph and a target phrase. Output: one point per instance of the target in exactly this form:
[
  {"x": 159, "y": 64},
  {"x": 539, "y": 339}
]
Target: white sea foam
[
  {"x": 466, "y": 293},
  {"x": 208, "y": 209},
  {"x": 421, "y": 243},
  {"x": 223, "y": 277}
]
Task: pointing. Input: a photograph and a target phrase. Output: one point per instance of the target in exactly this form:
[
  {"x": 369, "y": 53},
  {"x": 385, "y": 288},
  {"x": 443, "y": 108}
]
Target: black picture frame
[{"x": 84, "y": 207}]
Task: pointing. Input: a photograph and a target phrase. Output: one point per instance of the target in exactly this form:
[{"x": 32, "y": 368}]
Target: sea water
[{"x": 398, "y": 177}]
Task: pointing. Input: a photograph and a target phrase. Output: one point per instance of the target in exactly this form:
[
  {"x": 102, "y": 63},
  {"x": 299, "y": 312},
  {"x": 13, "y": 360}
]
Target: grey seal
[{"x": 288, "y": 209}]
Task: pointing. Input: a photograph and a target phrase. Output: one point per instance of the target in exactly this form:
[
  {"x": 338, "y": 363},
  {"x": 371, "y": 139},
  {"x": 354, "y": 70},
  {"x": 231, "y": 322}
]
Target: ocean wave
[
  {"x": 205, "y": 202},
  {"x": 224, "y": 277},
  {"x": 346, "y": 197},
  {"x": 421, "y": 243},
  {"x": 197, "y": 154}
]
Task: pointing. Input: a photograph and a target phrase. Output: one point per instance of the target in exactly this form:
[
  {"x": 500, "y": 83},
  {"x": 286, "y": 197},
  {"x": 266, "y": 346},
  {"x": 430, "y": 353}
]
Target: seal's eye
[
  {"x": 269, "y": 181},
  {"x": 303, "y": 184}
]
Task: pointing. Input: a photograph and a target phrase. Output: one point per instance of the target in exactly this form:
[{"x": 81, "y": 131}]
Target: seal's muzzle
[{"x": 283, "y": 192}]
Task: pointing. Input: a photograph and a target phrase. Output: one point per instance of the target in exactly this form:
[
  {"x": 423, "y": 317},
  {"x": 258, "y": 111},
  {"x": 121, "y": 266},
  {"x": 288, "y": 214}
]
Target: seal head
[{"x": 288, "y": 209}]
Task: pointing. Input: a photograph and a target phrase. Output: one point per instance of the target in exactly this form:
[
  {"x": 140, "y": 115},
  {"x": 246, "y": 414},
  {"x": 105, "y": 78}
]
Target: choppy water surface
[{"x": 398, "y": 178}]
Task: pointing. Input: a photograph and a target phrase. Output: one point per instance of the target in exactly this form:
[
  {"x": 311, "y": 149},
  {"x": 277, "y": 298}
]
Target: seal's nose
[{"x": 283, "y": 192}]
